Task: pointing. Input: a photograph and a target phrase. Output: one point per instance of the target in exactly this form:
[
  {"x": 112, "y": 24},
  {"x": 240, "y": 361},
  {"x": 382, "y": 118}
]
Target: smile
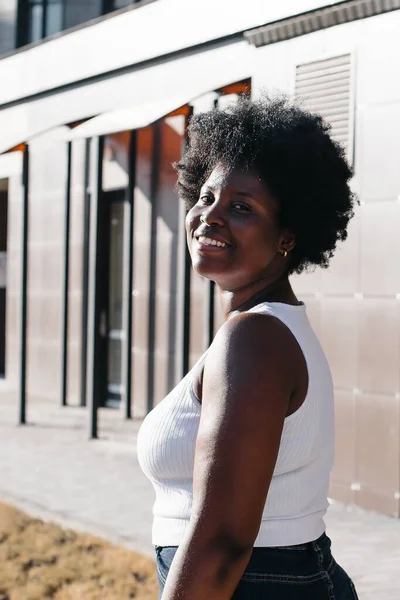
[{"x": 206, "y": 241}]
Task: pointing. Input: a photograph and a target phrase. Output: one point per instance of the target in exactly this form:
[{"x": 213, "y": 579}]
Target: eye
[
  {"x": 206, "y": 199},
  {"x": 240, "y": 207}
]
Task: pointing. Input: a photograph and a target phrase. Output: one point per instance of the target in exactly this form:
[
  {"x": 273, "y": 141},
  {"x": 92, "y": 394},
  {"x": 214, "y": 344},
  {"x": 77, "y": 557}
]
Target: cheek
[
  {"x": 190, "y": 226},
  {"x": 190, "y": 221},
  {"x": 261, "y": 244},
  {"x": 254, "y": 233}
]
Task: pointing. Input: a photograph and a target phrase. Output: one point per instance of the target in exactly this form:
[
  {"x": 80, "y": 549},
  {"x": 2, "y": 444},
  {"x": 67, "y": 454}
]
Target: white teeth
[{"x": 210, "y": 242}]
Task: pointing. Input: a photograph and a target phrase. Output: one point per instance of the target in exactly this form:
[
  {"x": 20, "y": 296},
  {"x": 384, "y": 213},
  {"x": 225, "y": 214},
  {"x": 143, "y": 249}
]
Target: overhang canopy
[
  {"x": 129, "y": 100},
  {"x": 142, "y": 115},
  {"x": 126, "y": 119}
]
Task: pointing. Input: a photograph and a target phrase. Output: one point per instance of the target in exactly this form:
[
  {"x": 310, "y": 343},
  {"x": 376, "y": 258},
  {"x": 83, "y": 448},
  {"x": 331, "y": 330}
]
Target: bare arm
[{"x": 247, "y": 385}]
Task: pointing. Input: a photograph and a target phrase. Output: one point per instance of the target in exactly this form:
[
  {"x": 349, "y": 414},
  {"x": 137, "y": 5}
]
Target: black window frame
[
  {"x": 23, "y": 20},
  {"x": 109, "y": 6},
  {"x": 4, "y": 211}
]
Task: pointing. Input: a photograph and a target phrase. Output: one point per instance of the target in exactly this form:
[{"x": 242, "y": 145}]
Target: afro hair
[{"x": 291, "y": 150}]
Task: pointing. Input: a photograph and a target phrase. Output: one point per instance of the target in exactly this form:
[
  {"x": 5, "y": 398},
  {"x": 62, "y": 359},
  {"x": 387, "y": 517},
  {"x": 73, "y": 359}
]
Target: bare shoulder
[
  {"x": 255, "y": 336},
  {"x": 257, "y": 355}
]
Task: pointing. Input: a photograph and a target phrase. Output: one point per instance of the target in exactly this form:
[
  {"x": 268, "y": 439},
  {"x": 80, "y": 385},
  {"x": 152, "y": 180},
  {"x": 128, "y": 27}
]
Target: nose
[{"x": 213, "y": 215}]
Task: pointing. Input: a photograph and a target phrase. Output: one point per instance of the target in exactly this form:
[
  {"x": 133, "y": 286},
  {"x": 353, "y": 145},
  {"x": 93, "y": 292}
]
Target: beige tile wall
[
  {"x": 75, "y": 271},
  {"x": 48, "y": 173},
  {"x": 14, "y": 264},
  {"x": 358, "y": 323},
  {"x": 167, "y": 225},
  {"x": 141, "y": 269}
]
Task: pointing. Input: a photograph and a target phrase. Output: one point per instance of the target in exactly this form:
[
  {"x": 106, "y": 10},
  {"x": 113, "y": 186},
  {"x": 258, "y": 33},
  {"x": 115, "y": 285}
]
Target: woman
[{"x": 240, "y": 452}]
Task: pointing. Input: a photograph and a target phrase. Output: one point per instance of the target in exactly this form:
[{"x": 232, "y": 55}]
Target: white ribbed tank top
[{"x": 297, "y": 498}]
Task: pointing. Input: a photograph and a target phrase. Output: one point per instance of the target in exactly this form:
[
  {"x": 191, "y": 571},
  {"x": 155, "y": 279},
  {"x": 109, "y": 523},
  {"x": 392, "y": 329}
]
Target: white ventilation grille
[{"x": 324, "y": 87}]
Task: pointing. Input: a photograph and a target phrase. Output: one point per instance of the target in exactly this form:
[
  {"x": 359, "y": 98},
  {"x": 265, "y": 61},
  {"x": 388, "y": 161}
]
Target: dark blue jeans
[{"x": 305, "y": 572}]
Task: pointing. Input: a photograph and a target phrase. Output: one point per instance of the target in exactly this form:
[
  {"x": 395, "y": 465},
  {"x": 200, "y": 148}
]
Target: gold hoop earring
[{"x": 284, "y": 253}]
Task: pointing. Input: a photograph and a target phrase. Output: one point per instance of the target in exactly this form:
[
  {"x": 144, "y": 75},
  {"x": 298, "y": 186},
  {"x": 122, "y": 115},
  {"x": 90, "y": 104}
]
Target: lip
[
  {"x": 217, "y": 238},
  {"x": 206, "y": 248},
  {"x": 209, "y": 249}
]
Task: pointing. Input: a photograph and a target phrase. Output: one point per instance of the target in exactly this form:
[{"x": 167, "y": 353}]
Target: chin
[
  {"x": 218, "y": 268},
  {"x": 203, "y": 268},
  {"x": 221, "y": 278},
  {"x": 204, "y": 271}
]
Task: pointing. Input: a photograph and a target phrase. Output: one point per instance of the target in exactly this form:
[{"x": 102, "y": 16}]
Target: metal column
[
  {"x": 184, "y": 279},
  {"x": 64, "y": 347},
  {"x": 24, "y": 286},
  {"x": 129, "y": 302},
  {"x": 85, "y": 276},
  {"x": 94, "y": 276},
  {"x": 210, "y": 314},
  {"x": 183, "y": 303},
  {"x": 153, "y": 264}
]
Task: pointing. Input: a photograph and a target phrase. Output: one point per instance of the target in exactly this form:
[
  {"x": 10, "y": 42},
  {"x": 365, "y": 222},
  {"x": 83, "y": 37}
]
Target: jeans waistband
[{"x": 323, "y": 543}]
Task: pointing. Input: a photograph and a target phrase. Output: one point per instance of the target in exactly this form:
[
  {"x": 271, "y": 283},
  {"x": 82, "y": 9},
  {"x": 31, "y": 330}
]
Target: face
[{"x": 241, "y": 240}]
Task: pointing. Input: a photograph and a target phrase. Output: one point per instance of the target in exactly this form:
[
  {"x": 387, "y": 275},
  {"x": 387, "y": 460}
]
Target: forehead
[{"x": 237, "y": 179}]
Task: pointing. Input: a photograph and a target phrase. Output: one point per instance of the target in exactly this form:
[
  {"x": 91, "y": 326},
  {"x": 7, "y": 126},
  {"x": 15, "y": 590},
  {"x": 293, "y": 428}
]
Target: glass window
[
  {"x": 121, "y": 3},
  {"x": 54, "y": 16},
  {"x": 116, "y": 276},
  {"x": 40, "y": 19},
  {"x": 8, "y": 25},
  {"x": 79, "y": 11},
  {"x": 35, "y": 21},
  {"x": 116, "y": 161}
]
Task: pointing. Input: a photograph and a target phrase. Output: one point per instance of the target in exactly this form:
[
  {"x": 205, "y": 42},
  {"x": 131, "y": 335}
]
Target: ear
[{"x": 287, "y": 241}]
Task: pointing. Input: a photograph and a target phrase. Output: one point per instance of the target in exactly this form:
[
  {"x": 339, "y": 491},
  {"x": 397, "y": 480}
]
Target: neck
[{"x": 256, "y": 292}]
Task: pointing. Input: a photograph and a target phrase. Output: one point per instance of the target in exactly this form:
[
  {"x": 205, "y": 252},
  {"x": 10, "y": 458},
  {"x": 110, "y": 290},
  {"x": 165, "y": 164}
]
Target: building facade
[{"x": 98, "y": 303}]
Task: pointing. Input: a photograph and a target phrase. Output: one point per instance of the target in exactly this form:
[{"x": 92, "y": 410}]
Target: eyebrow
[
  {"x": 211, "y": 188},
  {"x": 247, "y": 195}
]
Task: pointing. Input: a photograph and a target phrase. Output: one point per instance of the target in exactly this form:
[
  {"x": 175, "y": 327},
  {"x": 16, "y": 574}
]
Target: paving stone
[{"x": 50, "y": 469}]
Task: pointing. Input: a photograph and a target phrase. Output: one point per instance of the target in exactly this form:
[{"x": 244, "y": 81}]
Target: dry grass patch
[{"x": 41, "y": 560}]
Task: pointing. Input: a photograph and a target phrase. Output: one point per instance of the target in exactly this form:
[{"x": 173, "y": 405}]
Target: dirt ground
[{"x": 41, "y": 560}]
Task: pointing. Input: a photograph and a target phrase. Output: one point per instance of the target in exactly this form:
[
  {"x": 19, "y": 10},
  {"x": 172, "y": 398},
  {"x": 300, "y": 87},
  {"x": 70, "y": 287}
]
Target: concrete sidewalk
[{"x": 51, "y": 470}]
